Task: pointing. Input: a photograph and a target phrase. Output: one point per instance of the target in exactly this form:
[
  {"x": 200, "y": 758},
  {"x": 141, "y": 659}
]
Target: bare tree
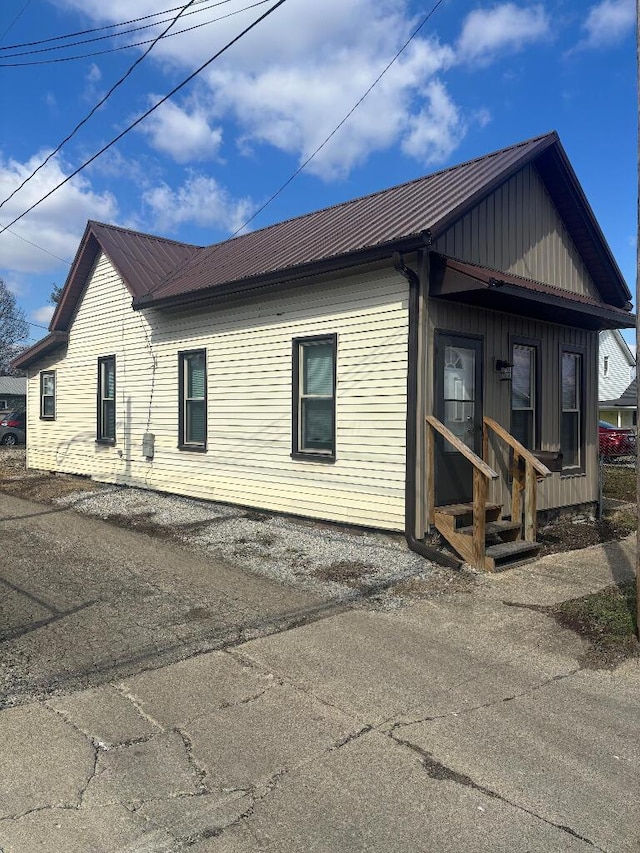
[{"x": 14, "y": 329}]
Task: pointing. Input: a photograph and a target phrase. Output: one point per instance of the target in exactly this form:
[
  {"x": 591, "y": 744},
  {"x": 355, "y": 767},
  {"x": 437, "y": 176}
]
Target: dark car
[
  {"x": 13, "y": 428},
  {"x": 614, "y": 441}
]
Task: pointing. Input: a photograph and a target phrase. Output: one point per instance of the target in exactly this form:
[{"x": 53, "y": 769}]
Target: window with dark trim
[
  {"x": 106, "y": 432},
  {"x": 192, "y": 380},
  {"x": 48, "y": 395},
  {"x": 525, "y": 392},
  {"x": 572, "y": 410},
  {"x": 314, "y": 397}
]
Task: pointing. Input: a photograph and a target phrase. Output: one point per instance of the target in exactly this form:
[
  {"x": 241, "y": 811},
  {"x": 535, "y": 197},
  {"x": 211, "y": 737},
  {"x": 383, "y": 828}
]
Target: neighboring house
[
  {"x": 617, "y": 370},
  {"x": 13, "y": 394},
  {"x": 314, "y": 367},
  {"x": 623, "y": 410}
]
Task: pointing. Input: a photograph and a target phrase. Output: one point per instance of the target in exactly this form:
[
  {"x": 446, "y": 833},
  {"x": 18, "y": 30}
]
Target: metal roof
[
  {"x": 374, "y": 221},
  {"x": 13, "y": 385},
  {"x": 140, "y": 259},
  {"x": 164, "y": 272}
]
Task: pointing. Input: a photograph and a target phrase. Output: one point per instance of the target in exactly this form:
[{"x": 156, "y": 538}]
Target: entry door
[{"x": 458, "y": 405}]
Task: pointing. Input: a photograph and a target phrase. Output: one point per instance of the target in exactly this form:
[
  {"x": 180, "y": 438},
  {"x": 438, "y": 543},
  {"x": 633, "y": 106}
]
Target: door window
[{"x": 460, "y": 394}]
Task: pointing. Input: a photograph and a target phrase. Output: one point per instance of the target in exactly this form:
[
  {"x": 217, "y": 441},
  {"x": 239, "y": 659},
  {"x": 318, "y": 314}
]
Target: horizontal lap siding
[{"x": 249, "y": 398}]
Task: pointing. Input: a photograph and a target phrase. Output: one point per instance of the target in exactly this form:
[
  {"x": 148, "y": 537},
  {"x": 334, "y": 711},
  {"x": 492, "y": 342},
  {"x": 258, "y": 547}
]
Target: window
[
  {"x": 48, "y": 395},
  {"x": 524, "y": 397},
  {"x": 107, "y": 400},
  {"x": 572, "y": 427},
  {"x": 605, "y": 365},
  {"x": 3, "y": 405},
  {"x": 193, "y": 400},
  {"x": 314, "y": 397}
]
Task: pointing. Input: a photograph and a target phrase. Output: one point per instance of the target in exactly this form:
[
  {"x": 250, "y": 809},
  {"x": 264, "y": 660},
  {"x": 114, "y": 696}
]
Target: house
[
  {"x": 13, "y": 394},
  {"x": 426, "y": 356},
  {"x": 623, "y": 410},
  {"x": 616, "y": 380}
]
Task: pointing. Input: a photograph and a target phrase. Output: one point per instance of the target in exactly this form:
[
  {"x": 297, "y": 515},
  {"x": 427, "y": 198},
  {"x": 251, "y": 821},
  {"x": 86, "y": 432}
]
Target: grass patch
[
  {"x": 619, "y": 483},
  {"x": 607, "y": 619}
]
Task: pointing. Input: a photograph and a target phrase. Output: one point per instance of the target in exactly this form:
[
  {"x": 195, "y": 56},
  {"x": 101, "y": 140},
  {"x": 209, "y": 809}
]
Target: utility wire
[
  {"x": 95, "y": 108},
  {"x": 339, "y": 125},
  {"x": 141, "y": 118},
  {"x": 300, "y": 168},
  {"x": 36, "y": 246},
  {"x": 128, "y": 46},
  {"x": 97, "y": 29},
  {"x": 15, "y": 19},
  {"x": 110, "y": 35}
]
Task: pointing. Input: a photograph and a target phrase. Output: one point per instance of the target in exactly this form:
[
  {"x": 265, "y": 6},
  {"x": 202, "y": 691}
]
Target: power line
[
  {"x": 15, "y": 19},
  {"x": 96, "y": 29},
  {"x": 95, "y": 108},
  {"x": 36, "y": 246},
  {"x": 300, "y": 168},
  {"x": 141, "y": 118},
  {"x": 129, "y": 46},
  {"x": 110, "y": 35}
]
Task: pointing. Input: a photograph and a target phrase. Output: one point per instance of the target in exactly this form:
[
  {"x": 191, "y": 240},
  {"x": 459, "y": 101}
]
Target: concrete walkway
[{"x": 462, "y": 723}]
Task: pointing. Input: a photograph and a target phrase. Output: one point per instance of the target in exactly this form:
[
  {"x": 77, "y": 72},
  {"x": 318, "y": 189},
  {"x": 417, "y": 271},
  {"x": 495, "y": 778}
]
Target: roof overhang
[
  {"x": 499, "y": 291},
  {"x": 283, "y": 278},
  {"x": 48, "y": 344}
]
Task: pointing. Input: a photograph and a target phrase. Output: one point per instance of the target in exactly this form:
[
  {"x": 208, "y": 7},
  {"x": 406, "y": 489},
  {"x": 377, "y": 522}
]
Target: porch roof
[{"x": 514, "y": 294}]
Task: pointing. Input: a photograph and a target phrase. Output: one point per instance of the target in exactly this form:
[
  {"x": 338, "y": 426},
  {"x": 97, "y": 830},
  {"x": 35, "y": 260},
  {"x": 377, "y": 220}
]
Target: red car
[{"x": 614, "y": 441}]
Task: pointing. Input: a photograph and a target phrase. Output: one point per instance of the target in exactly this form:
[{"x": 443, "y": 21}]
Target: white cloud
[
  {"x": 56, "y": 224},
  {"x": 43, "y": 315},
  {"x": 489, "y": 33},
  {"x": 436, "y": 131},
  {"x": 185, "y": 136},
  {"x": 289, "y": 82},
  {"x": 608, "y": 22},
  {"x": 201, "y": 200}
]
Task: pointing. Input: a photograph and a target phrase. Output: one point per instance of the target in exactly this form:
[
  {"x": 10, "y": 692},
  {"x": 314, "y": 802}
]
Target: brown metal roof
[
  {"x": 482, "y": 286},
  {"x": 140, "y": 259},
  {"x": 41, "y": 348},
  {"x": 376, "y": 221},
  {"x": 167, "y": 273}
]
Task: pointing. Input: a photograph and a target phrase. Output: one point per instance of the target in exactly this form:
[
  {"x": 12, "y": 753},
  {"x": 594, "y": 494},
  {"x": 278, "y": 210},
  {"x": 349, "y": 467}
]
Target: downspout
[{"x": 427, "y": 551}]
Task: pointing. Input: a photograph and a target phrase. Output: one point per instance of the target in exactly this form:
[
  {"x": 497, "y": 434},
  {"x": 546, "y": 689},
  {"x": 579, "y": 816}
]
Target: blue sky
[{"x": 479, "y": 76}]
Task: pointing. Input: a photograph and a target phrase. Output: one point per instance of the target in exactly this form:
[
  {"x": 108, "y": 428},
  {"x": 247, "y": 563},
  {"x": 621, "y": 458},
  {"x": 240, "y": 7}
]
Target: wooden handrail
[
  {"x": 478, "y": 463},
  {"x": 520, "y": 449}
]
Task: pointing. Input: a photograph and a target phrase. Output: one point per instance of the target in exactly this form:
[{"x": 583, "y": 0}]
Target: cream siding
[
  {"x": 496, "y": 330},
  {"x": 249, "y": 398},
  {"x": 517, "y": 229}
]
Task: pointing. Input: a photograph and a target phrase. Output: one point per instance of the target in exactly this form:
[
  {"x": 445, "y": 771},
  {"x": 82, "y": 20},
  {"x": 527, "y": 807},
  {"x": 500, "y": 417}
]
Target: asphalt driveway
[{"x": 158, "y": 701}]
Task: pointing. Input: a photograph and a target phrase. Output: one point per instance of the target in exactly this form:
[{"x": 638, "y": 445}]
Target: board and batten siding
[
  {"x": 249, "y": 378},
  {"x": 497, "y": 330},
  {"x": 517, "y": 229}
]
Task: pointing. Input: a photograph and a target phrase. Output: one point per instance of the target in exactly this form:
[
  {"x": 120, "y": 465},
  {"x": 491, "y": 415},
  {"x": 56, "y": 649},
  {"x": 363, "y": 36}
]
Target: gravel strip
[{"x": 338, "y": 563}]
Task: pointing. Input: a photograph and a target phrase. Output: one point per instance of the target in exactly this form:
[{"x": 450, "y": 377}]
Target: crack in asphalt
[
  {"x": 200, "y": 772},
  {"x": 401, "y": 724},
  {"x": 439, "y": 771}
]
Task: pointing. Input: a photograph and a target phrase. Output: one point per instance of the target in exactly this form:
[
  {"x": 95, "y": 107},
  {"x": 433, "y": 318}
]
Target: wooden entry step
[{"x": 503, "y": 546}]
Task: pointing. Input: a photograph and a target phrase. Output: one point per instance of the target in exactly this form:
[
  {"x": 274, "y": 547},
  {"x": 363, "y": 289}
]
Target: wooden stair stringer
[
  {"x": 460, "y": 542},
  {"x": 509, "y": 552}
]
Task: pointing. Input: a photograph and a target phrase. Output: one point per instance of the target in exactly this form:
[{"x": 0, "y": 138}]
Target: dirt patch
[
  {"x": 143, "y": 523},
  {"x": 607, "y": 619},
  {"x": 345, "y": 572},
  {"x": 569, "y": 535}
]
